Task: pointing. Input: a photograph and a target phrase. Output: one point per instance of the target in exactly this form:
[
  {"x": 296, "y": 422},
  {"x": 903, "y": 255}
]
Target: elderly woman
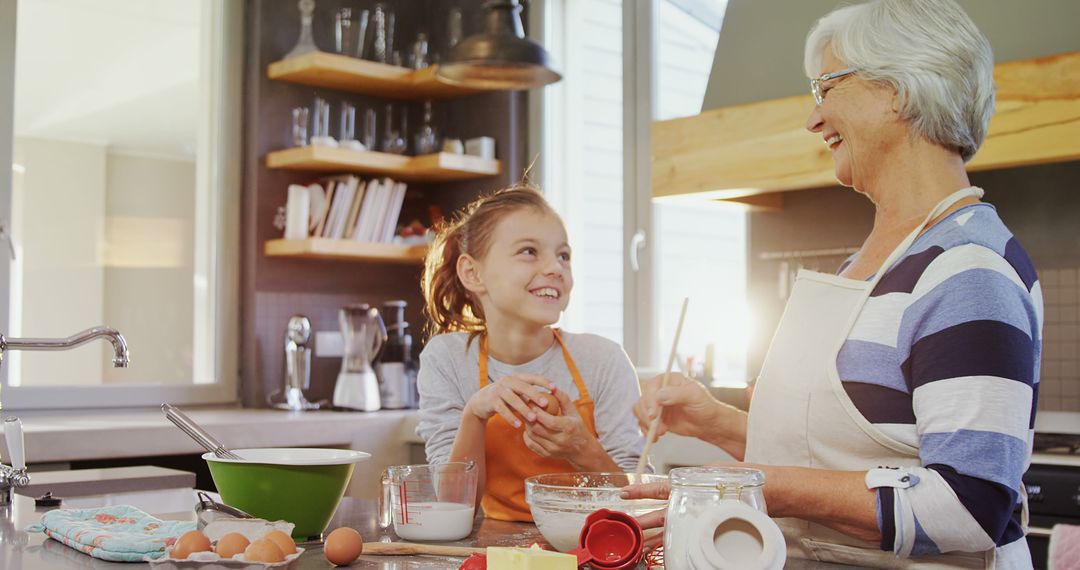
[{"x": 893, "y": 413}]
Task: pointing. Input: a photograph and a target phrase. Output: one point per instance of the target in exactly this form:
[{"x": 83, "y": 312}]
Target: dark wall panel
[{"x": 272, "y": 289}]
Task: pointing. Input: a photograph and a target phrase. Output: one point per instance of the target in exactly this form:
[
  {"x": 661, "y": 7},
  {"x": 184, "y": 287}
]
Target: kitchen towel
[
  {"x": 1064, "y": 547},
  {"x": 120, "y": 533}
]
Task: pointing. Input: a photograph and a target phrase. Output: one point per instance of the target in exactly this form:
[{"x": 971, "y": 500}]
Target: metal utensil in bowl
[
  {"x": 201, "y": 436},
  {"x": 207, "y": 510}
]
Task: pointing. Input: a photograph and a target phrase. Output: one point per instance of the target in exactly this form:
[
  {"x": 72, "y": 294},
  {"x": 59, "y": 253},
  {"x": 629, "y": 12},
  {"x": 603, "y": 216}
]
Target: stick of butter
[{"x": 535, "y": 558}]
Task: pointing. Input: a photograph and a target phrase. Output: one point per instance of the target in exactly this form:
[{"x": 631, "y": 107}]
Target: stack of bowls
[
  {"x": 560, "y": 502},
  {"x": 301, "y": 486}
]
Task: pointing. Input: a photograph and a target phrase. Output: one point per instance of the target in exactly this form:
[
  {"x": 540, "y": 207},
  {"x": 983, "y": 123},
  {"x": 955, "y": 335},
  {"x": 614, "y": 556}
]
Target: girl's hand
[
  {"x": 562, "y": 437},
  {"x": 510, "y": 395},
  {"x": 656, "y": 519}
]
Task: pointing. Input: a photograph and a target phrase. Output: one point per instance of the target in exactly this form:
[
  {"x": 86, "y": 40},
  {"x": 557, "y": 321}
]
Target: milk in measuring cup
[{"x": 434, "y": 521}]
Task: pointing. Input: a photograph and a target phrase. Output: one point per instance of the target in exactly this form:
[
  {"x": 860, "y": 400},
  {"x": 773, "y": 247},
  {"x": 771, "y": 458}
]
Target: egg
[
  {"x": 284, "y": 541},
  {"x": 263, "y": 550},
  {"x": 189, "y": 542},
  {"x": 343, "y": 546},
  {"x": 231, "y": 544},
  {"x": 552, "y": 408}
]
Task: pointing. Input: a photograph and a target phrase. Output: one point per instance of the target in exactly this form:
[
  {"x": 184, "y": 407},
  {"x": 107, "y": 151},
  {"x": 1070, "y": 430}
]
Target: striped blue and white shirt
[{"x": 945, "y": 357}]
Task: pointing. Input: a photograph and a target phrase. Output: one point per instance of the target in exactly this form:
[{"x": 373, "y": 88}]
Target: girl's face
[{"x": 525, "y": 275}]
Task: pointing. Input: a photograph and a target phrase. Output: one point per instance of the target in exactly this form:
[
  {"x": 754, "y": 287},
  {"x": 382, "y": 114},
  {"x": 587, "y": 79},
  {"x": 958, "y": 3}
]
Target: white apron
[{"x": 800, "y": 414}]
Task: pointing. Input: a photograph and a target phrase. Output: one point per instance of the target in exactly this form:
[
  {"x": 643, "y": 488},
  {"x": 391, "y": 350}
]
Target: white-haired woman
[{"x": 893, "y": 412}]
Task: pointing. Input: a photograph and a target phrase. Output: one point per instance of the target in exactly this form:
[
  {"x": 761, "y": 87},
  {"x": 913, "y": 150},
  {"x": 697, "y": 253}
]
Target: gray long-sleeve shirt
[{"x": 450, "y": 374}]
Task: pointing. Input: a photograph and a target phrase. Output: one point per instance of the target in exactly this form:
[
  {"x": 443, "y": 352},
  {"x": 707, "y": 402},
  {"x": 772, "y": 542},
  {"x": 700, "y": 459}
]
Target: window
[
  {"x": 587, "y": 148},
  {"x": 121, "y": 203},
  {"x": 700, "y": 247},
  {"x": 583, "y": 156}
]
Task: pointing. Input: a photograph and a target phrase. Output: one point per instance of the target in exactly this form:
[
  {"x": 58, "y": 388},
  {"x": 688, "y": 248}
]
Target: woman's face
[{"x": 858, "y": 121}]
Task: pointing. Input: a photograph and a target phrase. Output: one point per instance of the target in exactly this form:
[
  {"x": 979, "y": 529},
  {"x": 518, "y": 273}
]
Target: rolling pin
[{"x": 406, "y": 548}]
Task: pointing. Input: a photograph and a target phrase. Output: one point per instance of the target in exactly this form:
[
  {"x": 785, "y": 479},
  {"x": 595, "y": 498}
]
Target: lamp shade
[{"x": 501, "y": 57}]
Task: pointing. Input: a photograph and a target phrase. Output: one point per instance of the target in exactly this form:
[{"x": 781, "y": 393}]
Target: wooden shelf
[
  {"x": 438, "y": 167},
  {"x": 321, "y": 69},
  {"x": 323, "y": 248},
  {"x": 737, "y": 152}
]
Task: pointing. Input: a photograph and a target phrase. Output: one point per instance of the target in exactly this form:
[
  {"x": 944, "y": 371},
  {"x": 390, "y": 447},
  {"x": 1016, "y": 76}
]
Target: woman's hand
[
  {"x": 656, "y": 519},
  {"x": 688, "y": 407},
  {"x": 566, "y": 437},
  {"x": 509, "y": 395}
]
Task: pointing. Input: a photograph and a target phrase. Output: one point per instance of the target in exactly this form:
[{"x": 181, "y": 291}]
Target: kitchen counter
[
  {"x": 54, "y": 438},
  {"x": 20, "y": 550},
  {"x": 67, "y": 435}
]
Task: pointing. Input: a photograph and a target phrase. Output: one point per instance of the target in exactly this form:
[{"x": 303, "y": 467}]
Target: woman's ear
[{"x": 468, "y": 272}]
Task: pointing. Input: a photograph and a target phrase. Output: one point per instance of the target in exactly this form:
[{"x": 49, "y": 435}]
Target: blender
[
  {"x": 363, "y": 334},
  {"x": 395, "y": 367}
]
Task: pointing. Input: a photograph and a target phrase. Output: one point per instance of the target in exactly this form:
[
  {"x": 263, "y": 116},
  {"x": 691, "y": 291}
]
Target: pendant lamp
[{"x": 501, "y": 57}]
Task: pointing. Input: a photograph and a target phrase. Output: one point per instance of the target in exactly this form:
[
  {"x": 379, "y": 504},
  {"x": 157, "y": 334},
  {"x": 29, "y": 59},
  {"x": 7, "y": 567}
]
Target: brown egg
[
  {"x": 343, "y": 546},
  {"x": 263, "y": 550},
  {"x": 190, "y": 541},
  {"x": 552, "y": 408},
  {"x": 284, "y": 541},
  {"x": 231, "y": 544}
]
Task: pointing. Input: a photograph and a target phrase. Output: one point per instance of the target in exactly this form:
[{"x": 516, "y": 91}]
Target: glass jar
[{"x": 695, "y": 491}]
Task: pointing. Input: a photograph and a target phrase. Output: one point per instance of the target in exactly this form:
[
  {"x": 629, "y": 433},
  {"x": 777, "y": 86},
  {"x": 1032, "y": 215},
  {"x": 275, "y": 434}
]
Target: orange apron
[{"x": 510, "y": 462}]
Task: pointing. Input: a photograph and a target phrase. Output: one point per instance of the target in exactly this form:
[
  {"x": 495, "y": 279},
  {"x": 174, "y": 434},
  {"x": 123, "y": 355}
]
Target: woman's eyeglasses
[{"x": 815, "y": 84}]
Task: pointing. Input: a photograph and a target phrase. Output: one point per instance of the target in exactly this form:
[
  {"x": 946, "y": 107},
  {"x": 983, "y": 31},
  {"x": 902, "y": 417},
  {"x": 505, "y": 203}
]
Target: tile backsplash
[{"x": 1060, "y": 377}]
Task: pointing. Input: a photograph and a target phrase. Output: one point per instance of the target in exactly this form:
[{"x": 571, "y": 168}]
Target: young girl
[{"x": 495, "y": 282}]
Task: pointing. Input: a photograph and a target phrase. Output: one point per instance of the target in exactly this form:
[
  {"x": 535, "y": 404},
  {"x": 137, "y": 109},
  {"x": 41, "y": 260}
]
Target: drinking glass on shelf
[
  {"x": 393, "y": 140},
  {"x": 369, "y": 130},
  {"x": 345, "y": 34},
  {"x": 347, "y": 132},
  {"x": 453, "y": 28},
  {"x": 362, "y": 34},
  {"x": 426, "y": 139},
  {"x": 300, "y": 126},
  {"x": 320, "y": 128},
  {"x": 380, "y": 49},
  {"x": 418, "y": 59}
]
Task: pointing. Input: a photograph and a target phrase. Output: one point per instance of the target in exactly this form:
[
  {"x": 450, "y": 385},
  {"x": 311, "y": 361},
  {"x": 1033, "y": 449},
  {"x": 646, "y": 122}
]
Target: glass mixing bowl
[{"x": 560, "y": 501}]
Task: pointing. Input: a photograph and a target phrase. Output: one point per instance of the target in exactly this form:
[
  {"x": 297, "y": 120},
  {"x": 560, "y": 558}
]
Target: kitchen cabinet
[{"x": 746, "y": 152}]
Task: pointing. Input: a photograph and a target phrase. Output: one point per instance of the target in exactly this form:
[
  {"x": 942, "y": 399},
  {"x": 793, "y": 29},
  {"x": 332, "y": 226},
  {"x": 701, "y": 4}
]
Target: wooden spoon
[{"x": 406, "y": 548}]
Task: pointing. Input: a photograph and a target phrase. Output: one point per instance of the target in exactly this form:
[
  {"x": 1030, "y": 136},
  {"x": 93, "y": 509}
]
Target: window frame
[{"x": 218, "y": 170}]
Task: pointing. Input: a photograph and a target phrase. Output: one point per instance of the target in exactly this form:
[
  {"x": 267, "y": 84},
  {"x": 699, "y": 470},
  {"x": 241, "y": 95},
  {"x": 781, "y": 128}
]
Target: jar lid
[{"x": 717, "y": 477}]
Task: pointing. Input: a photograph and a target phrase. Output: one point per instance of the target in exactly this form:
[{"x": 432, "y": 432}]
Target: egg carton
[
  {"x": 252, "y": 529},
  {"x": 211, "y": 561}
]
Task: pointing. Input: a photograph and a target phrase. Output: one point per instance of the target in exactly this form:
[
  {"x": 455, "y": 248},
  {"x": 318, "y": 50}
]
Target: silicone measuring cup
[{"x": 610, "y": 540}]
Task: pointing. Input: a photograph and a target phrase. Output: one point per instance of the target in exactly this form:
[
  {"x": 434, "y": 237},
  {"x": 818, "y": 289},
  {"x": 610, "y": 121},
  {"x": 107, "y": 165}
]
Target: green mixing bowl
[{"x": 301, "y": 486}]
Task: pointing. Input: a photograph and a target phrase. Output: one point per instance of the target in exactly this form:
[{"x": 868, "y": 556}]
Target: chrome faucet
[
  {"x": 16, "y": 475},
  {"x": 120, "y": 349}
]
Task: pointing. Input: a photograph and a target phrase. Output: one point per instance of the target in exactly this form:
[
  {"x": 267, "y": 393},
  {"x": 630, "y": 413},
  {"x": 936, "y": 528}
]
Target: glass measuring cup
[{"x": 429, "y": 502}]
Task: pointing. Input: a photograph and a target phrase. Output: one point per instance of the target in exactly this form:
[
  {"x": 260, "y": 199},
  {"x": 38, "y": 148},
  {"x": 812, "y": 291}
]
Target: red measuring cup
[{"x": 610, "y": 540}]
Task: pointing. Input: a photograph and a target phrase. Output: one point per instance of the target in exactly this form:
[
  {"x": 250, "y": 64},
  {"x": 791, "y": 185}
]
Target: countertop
[
  {"x": 20, "y": 550},
  {"x": 69, "y": 435}
]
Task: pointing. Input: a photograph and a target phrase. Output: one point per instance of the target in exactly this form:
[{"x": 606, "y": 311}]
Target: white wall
[
  {"x": 58, "y": 226},
  {"x": 150, "y": 209}
]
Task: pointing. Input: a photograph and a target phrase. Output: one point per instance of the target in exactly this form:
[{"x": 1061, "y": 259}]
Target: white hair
[{"x": 929, "y": 51}]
